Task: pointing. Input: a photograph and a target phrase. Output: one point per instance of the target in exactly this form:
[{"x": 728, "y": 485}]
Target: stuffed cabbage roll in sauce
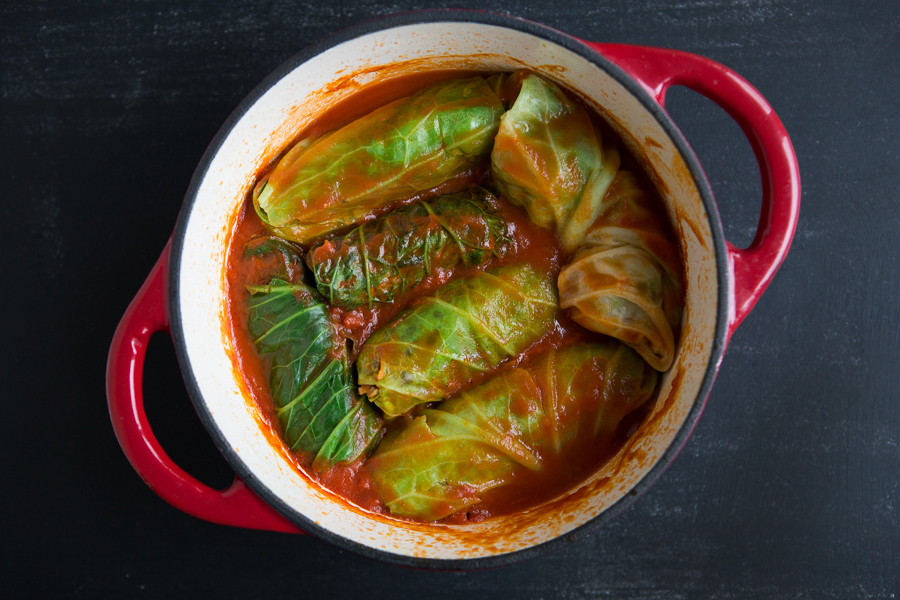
[
  {"x": 455, "y": 303},
  {"x": 551, "y": 160},
  {"x": 527, "y": 423},
  {"x": 381, "y": 259},
  {"x": 406, "y": 147},
  {"x": 465, "y": 328},
  {"x": 309, "y": 376},
  {"x": 625, "y": 279}
]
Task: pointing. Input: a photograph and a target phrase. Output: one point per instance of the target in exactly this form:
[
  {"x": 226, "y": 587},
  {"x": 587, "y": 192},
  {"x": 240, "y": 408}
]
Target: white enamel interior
[{"x": 272, "y": 121}]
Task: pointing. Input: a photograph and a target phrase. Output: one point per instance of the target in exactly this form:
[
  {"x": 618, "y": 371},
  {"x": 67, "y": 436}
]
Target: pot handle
[
  {"x": 237, "y": 505},
  {"x": 752, "y": 268}
]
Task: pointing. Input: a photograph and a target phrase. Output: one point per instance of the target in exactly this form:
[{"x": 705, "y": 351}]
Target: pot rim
[{"x": 572, "y": 44}]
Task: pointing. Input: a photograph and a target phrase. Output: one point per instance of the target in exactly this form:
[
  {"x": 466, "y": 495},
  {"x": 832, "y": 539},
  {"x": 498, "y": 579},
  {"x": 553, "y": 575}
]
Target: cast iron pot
[{"x": 184, "y": 293}]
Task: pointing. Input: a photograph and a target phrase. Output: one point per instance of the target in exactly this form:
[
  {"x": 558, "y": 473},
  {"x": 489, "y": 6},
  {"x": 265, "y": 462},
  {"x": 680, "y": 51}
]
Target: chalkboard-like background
[{"x": 790, "y": 485}]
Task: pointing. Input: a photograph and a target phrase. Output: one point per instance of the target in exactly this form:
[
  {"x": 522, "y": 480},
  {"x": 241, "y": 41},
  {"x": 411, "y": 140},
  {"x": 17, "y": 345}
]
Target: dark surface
[{"x": 790, "y": 485}]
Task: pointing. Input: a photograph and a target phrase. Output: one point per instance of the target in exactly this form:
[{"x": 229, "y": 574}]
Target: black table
[{"x": 790, "y": 485}]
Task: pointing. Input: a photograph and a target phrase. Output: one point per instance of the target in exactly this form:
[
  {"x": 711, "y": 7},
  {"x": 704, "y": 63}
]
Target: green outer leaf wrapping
[
  {"x": 440, "y": 462},
  {"x": 549, "y": 159},
  {"x": 586, "y": 390},
  {"x": 429, "y": 475},
  {"x": 625, "y": 279},
  {"x": 312, "y": 391},
  {"x": 294, "y": 331},
  {"x": 355, "y": 435},
  {"x": 466, "y": 327},
  {"x": 524, "y": 418},
  {"x": 383, "y": 258},
  {"x": 406, "y": 147},
  {"x": 313, "y": 414}
]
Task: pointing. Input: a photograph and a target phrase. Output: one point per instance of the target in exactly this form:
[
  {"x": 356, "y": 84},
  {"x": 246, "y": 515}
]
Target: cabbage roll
[
  {"x": 524, "y": 419},
  {"x": 625, "y": 280},
  {"x": 310, "y": 383},
  {"x": 377, "y": 261},
  {"x": 549, "y": 159},
  {"x": 465, "y": 328},
  {"x": 403, "y": 148}
]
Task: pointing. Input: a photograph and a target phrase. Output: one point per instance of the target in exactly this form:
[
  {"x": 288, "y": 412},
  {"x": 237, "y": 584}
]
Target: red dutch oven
[{"x": 184, "y": 293}]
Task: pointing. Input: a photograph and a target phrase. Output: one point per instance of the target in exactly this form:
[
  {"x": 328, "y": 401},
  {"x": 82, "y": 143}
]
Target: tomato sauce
[{"x": 529, "y": 243}]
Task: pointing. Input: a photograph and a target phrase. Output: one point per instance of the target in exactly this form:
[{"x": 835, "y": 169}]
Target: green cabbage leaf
[
  {"x": 399, "y": 150},
  {"x": 310, "y": 384},
  {"x": 549, "y": 159},
  {"x": 465, "y": 328},
  {"x": 378, "y": 261},
  {"x": 567, "y": 400}
]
